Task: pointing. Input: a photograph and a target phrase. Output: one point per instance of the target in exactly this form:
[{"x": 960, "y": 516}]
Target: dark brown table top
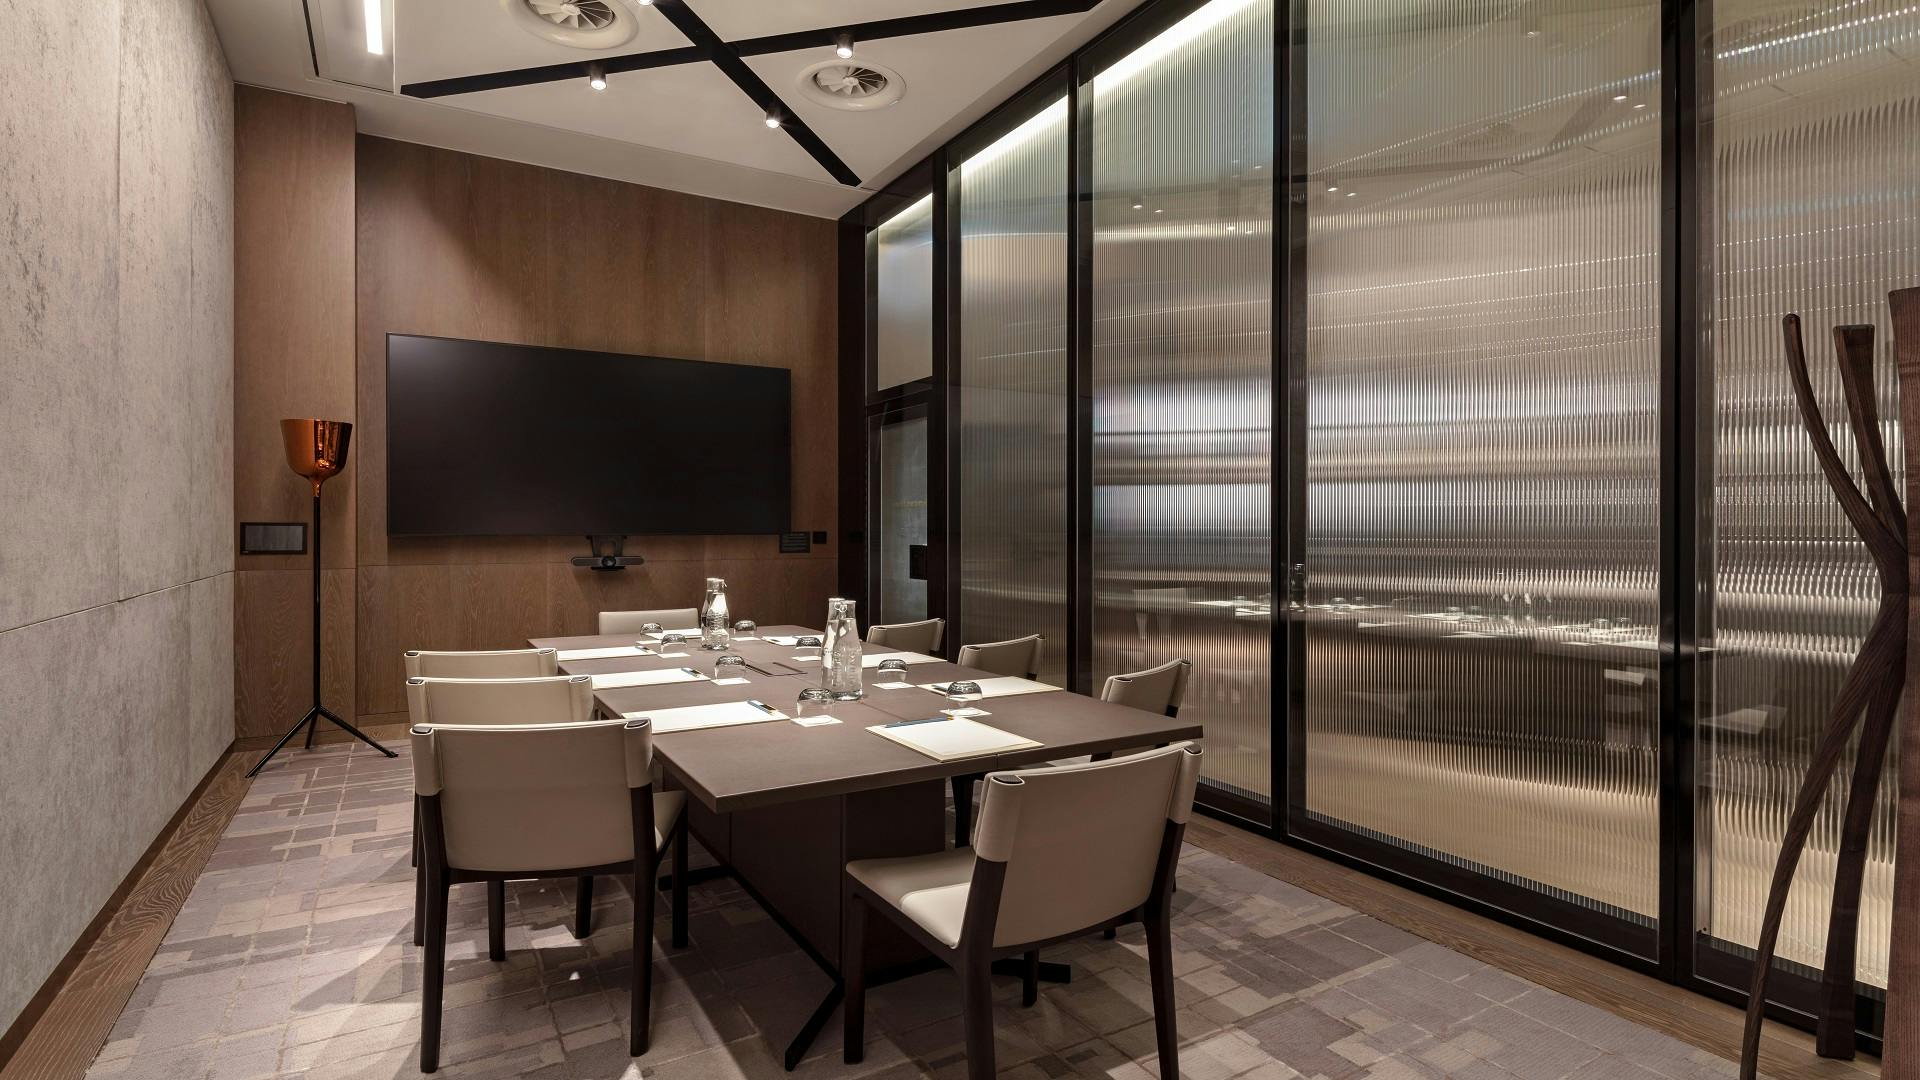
[{"x": 736, "y": 768}]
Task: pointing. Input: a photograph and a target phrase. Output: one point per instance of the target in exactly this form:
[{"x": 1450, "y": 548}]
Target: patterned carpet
[{"x": 293, "y": 957}]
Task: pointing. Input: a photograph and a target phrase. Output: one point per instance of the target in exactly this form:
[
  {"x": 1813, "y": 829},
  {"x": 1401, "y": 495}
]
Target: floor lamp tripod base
[
  {"x": 310, "y": 722},
  {"x": 316, "y": 449}
]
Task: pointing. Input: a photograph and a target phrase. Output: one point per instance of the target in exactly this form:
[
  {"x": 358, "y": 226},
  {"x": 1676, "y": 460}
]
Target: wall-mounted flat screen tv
[{"x": 485, "y": 439}]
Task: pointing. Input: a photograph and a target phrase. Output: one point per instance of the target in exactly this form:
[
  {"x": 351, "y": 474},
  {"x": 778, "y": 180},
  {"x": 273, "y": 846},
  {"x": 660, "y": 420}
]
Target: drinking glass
[
  {"x": 745, "y": 628},
  {"x": 651, "y": 628},
  {"x": 958, "y": 691},
  {"x": 730, "y": 666},
  {"x": 813, "y": 701},
  {"x": 808, "y": 642},
  {"x": 672, "y": 643},
  {"x": 891, "y": 671}
]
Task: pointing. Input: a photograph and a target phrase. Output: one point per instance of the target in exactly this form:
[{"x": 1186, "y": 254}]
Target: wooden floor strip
[
  {"x": 1786, "y": 1053},
  {"x": 62, "y": 1041}
]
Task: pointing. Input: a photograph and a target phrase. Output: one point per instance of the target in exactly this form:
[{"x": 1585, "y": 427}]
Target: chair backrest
[
  {"x": 1157, "y": 689},
  {"x": 921, "y": 637},
  {"x": 559, "y": 699},
  {"x": 630, "y": 622},
  {"x": 1082, "y": 844},
  {"x": 1018, "y": 656},
  {"x": 535, "y": 797},
  {"x": 492, "y": 664}
]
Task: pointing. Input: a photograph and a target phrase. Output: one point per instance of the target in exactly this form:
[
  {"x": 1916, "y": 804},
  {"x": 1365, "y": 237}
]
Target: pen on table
[
  {"x": 762, "y": 706},
  {"x": 910, "y": 723}
]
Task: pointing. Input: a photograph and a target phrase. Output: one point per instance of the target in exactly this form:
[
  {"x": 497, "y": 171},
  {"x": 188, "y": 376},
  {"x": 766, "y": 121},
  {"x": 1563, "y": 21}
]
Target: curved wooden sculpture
[{"x": 1869, "y": 698}]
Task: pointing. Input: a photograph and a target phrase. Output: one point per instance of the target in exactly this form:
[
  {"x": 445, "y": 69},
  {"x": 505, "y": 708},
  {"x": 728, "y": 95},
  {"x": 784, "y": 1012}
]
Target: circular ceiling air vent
[
  {"x": 851, "y": 85},
  {"x": 582, "y": 24}
]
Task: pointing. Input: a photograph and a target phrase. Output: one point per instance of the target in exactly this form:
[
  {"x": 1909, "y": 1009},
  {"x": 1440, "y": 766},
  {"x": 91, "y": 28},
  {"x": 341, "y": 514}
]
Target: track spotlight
[
  {"x": 843, "y": 46},
  {"x": 597, "y": 76},
  {"x": 773, "y": 119}
]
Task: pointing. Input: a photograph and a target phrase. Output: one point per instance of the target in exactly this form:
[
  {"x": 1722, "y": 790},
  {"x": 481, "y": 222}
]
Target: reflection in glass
[
  {"x": 902, "y": 496},
  {"x": 1815, "y": 173},
  {"x": 1182, "y": 374},
  {"x": 1012, "y": 464},
  {"x": 903, "y": 279},
  {"x": 1482, "y": 195}
]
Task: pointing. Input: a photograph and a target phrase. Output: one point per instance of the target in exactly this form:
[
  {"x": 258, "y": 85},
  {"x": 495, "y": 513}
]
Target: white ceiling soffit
[{"x": 685, "y": 127}]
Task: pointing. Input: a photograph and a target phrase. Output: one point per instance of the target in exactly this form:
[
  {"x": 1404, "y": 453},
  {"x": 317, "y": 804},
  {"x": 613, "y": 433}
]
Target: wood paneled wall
[
  {"x": 293, "y": 340},
  {"x": 346, "y": 239}
]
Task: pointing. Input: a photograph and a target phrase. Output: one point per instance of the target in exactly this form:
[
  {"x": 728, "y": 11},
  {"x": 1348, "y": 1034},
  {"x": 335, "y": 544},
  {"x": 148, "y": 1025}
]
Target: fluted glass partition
[
  {"x": 1011, "y": 512},
  {"x": 900, "y": 489},
  {"x": 903, "y": 308},
  {"x": 1482, "y": 368},
  {"x": 1182, "y": 153},
  {"x": 1813, "y": 147}
]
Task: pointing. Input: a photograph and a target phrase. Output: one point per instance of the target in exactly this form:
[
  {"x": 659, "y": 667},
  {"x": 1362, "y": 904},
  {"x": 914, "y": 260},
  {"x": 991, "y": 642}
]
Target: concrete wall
[{"x": 116, "y": 446}]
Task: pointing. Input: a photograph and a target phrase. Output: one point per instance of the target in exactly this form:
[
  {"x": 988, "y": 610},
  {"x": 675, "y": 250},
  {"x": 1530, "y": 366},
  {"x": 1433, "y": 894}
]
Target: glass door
[{"x": 899, "y": 550}]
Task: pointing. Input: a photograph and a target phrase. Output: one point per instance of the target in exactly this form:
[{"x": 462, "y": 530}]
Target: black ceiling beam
[
  {"x": 546, "y": 73},
  {"x": 909, "y": 25},
  {"x": 723, "y": 57}
]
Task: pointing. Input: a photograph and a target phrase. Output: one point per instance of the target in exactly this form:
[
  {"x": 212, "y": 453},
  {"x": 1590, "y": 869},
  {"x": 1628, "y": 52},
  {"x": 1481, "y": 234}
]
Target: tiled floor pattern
[{"x": 293, "y": 957}]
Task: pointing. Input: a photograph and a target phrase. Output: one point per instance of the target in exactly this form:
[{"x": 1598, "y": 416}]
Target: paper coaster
[
  {"x": 816, "y": 721},
  {"x": 893, "y": 686},
  {"x": 730, "y": 682}
]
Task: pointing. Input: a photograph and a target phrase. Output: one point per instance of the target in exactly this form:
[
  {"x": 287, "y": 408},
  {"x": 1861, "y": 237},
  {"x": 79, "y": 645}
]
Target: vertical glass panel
[
  {"x": 1182, "y": 374},
  {"x": 1814, "y": 175},
  {"x": 1482, "y": 187},
  {"x": 903, "y": 280},
  {"x": 902, "y": 527},
  {"x": 1012, "y": 469}
]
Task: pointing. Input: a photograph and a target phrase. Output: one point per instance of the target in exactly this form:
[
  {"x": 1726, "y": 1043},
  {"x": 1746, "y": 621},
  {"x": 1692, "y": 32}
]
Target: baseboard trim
[{"x": 61, "y": 1029}]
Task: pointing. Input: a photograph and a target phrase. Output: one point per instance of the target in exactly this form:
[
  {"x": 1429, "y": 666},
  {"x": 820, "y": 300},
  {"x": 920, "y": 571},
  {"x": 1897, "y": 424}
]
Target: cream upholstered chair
[
  {"x": 1019, "y": 657},
  {"x": 1157, "y": 689},
  {"x": 921, "y": 637},
  {"x": 1060, "y": 851},
  {"x": 631, "y": 622},
  {"x": 488, "y": 664},
  {"x": 543, "y": 800},
  {"x": 562, "y": 699},
  {"x": 1016, "y": 657}
]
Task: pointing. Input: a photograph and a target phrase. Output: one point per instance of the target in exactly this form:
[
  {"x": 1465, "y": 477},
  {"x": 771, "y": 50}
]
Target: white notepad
[
  {"x": 1006, "y": 686},
  {"x": 606, "y": 653},
  {"x": 872, "y": 660},
  {"x": 615, "y": 680},
  {"x": 694, "y": 717},
  {"x": 946, "y": 738}
]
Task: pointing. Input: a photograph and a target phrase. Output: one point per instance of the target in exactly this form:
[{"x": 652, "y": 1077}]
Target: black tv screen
[{"x": 485, "y": 439}]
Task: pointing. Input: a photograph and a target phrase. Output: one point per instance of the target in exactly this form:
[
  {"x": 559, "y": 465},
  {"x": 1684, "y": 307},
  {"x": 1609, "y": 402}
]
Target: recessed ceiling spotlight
[
  {"x": 843, "y": 46},
  {"x": 773, "y": 119},
  {"x": 597, "y": 75},
  {"x": 374, "y": 12},
  {"x": 646, "y": 3}
]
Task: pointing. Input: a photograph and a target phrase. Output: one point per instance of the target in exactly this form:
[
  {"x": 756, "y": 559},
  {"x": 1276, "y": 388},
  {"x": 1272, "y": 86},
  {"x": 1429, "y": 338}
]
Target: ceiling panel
[
  {"x": 736, "y": 19},
  {"x": 439, "y": 39},
  {"x": 943, "y": 74},
  {"x": 689, "y": 109}
]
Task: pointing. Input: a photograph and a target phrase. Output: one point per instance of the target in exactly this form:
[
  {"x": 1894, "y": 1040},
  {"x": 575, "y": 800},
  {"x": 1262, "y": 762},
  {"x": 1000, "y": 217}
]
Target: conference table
[{"x": 783, "y": 807}]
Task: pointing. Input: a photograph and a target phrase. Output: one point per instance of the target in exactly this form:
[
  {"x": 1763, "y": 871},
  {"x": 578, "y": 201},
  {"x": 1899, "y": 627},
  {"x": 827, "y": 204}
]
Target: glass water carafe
[
  {"x": 714, "y": 633},
  {"x": 840, "y": 653}
]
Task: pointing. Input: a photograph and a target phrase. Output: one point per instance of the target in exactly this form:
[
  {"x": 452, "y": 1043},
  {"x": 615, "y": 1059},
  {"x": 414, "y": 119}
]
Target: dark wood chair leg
[
  {"x": 680, "y": 887},
  {"x": 583, "y": 906},
  {"x": 962, "y": 810},
  {"x": 433, "y": 979},
  {"x": 419, "y": 882},
  {"x": 645, "y": 885},
  {"x": 1030, "y": 979},
  {"x": 853, "y": 981},
  {"x": 976, "y": 1009},
  {"x": 496, "y": 920},
  {"x": 1160, "y": 974}
]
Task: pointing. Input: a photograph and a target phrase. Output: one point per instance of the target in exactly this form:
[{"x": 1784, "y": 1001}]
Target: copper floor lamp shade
[{"x": 317, "y": 450}]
